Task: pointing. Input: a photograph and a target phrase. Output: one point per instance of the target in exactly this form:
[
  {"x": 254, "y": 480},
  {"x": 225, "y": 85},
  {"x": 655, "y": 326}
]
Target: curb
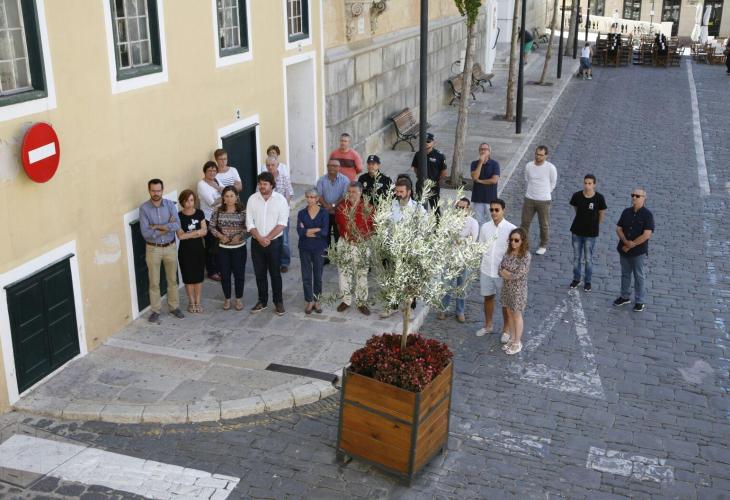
[{"x": 202, "y": 411}]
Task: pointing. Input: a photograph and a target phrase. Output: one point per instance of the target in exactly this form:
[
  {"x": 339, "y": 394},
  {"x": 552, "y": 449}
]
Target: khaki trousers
[
  {"x": 168, "y": 257},
  {"x": 529, "y": 207},
  {"x": 361, "y": 278}
]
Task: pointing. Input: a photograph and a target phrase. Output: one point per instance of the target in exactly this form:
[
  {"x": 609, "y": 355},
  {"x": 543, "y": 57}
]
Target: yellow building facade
[{"x": 135, "y": 89}]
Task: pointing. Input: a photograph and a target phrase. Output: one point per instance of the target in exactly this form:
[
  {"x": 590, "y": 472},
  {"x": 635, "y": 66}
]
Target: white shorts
[{"x": 490, "y": 286}]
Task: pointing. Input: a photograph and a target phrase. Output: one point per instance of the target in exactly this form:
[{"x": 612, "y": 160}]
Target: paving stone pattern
[{"x": 663, "y": 373}]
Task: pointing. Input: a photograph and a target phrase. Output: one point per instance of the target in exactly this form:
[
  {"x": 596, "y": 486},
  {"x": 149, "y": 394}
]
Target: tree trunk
[
  {"x": 509, "y": 112},
  {"x": 571, "y": 30},
  {"x": 549, "y": 51},
  {"x": 406, "y": 319},
  {"x": 460, "y": 135}
]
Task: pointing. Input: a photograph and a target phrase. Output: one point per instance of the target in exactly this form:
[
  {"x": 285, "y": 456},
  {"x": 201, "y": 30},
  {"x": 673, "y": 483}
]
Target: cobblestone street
[{"x": 601, "y": 403}]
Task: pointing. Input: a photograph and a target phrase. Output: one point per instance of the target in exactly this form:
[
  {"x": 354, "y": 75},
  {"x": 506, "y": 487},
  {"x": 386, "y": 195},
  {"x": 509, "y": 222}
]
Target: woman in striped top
[{"x": 228, "y": 224}]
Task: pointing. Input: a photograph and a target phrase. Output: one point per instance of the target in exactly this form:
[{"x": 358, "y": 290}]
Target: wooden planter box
[{"x": 395, "y": 429}]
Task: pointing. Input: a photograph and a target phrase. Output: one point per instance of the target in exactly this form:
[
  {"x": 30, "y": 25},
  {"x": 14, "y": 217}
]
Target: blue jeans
[
  {"x": 312, "y": 264},
  {"x": 232, "y": 261},
  {"x": 285, "y": 251},
  {"x": 481, "y": 212},
  {"x": 460, "y": 301},
  {"x": 583, "y": 247},
  {"x": 635, "y": 266}
]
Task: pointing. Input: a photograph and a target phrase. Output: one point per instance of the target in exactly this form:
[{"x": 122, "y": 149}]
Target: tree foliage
[{"x": 469, "y": 9}]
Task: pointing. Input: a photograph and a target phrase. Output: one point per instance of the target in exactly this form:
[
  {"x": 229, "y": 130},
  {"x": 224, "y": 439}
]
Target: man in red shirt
[
  {"x": 354, "y": 220},
  {"x": 350, "y": 161}
]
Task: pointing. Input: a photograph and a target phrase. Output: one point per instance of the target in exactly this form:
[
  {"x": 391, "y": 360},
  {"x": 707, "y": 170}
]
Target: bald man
[{"x": 634, "y": 229}]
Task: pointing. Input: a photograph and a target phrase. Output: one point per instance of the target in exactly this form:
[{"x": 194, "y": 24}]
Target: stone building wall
[{"x": 367, "y": 83}]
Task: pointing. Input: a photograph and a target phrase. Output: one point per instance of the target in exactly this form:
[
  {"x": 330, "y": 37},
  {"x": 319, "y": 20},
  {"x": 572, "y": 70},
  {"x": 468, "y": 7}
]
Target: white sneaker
[
  {"x": 482, "y": 332},
  {"x": 541, "y": 251},
  {"x": 505, "y": 338}
]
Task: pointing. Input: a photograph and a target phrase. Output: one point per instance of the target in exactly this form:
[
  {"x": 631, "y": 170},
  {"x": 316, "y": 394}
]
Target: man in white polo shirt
[
  {"x": 496, "y": 234},
  {"x": 541, "y": 177},
  {"x": 267, "y": 214}
]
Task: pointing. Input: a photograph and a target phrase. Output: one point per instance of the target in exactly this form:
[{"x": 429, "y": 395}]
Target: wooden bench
[
  {"x": 406, "y": 127},
  {"x": 479, "y": 77},
  {"x": 455, "y": 83}
]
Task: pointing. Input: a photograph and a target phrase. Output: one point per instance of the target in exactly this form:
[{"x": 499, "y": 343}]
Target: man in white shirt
[
  {"x": 541, "y": 177},
  {"x": 267, "y": 214},
  {"x": 284, "y": 188},
  {"x": 496, "y": 234},
  {"x": 469, "y": 231},
  {"x": 226, "y": 175},
  {"x": 209, "y": 194}
]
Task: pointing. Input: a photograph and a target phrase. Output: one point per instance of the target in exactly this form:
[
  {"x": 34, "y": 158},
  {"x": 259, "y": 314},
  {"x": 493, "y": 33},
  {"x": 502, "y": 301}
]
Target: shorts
[
  {"x": 585, "y": 63},
  {"x": 490, "y": 286},
  {"x": 528, "y": 46}
]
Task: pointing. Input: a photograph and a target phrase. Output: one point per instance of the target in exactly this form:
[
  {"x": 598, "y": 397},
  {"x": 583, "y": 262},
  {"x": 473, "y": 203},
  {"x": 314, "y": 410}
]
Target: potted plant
[{"x": 396, "y": 392}]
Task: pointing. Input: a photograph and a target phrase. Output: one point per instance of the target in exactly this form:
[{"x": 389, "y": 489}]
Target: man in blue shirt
[
  {"x": 159, "y": 221},
  {"x": 485, "y": 175},
  {"x": 634, "y": 229},
  {"x": 332, "y": 189}
]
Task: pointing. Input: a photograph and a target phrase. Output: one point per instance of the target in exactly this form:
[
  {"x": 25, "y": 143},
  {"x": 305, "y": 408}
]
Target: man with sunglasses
[
  {"x": 485, "y": 175},
  {"x": 495, "y": 233},
  {"x": 435, "y": 170},
  {"x": 634, "y": 229}
]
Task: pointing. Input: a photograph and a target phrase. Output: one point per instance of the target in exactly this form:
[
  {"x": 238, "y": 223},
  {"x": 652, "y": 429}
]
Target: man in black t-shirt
[
  {"x": 435, "y": 170},
  {"x": 374, "y": 182},
  {"x": 590, "y": 208}
]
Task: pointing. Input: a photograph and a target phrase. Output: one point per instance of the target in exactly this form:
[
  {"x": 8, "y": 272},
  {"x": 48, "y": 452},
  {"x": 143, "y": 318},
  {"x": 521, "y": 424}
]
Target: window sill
[
  {"x": 139, "y": 78},
  {"x": 298, "y": 42},
  {"x": 25, "y": 103},
  {"x": 230, "y": 58}
]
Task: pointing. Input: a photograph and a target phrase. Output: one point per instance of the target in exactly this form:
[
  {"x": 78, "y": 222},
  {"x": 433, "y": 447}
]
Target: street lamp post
[
  {"x": 521, "y": 72},
  {"x": 423, "y": 91},
  {"x": 560, "y": 42}
]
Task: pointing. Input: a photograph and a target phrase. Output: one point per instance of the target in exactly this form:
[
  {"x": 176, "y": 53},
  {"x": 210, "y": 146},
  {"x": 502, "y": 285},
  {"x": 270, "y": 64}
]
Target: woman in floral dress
[{"x": 513, "y": 270}]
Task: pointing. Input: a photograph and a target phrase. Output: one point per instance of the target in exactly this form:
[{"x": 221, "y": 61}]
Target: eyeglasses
[
  {"x": 634, "y": 195},
  {"x": 495, "y": 209},
  {"x": 515, "y": 240},
  {"x": 540, "y": 154}
]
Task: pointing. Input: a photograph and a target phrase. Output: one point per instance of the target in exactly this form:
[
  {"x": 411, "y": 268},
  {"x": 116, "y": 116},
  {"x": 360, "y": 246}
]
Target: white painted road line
[
  {"x": 588, "y": 382},
  {"x": 630, "y": 465},
  {"x": 42, "y": 152},
  {"x": 80, "y": 464},
  {"x": 524, "y": 444},
  {"x": 697, "y": 128}
]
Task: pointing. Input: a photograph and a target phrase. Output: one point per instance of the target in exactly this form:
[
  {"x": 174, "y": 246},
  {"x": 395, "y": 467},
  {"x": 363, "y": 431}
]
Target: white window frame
[
  {"x": 129, "y": 218},
  {"x": 126, "y": 85},
  {"x": 304, "y": 41},
  {"x": 20, "y": 273},
  {"x": 223, "y": 61},
  {"x": 23, "y": 109}
]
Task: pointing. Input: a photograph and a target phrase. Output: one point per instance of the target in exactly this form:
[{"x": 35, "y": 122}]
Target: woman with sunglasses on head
[
  {"x": 513, "y": 270},
  {"x": 313, "y": 224},
  {"x": 228, "y": 224}
]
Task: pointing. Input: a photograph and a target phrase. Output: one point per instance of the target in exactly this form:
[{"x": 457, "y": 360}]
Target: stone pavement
[
  {"x": 602, "y": 403},
  {"x": 213, "y": 366}
]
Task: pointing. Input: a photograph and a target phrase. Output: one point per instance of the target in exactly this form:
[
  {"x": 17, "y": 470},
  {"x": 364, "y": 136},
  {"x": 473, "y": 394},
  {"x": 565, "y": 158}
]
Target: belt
[{"x": 160, "y": 244}]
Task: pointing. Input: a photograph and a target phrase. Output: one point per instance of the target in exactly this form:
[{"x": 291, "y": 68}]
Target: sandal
[
  {"x": 199, "y": 308},
  {"x": 505, "y": 347},
  {"x": 514, "y": 348},
  {"x": 308, "y": 309},
  {"x": 191, "y": 308},
  {"x": 226, "y": 304},
  {"x": 239, "y": 305}
]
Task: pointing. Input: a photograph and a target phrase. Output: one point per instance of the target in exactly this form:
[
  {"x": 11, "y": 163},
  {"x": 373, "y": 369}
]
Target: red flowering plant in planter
[{"x": 411, "y": 369}]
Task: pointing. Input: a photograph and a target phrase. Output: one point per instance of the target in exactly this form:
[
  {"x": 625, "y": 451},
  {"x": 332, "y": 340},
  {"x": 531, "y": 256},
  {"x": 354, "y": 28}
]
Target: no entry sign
[{"x": 41, "y": 152}]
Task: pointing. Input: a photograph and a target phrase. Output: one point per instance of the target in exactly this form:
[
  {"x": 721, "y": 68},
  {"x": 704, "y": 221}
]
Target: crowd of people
[{"x": 213, "y": 227}]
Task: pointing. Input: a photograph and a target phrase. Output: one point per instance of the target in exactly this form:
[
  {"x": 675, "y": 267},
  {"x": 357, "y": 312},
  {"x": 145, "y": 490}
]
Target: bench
[
  {"x": 479, "y": 77},
  {"x": 406, "y": 127},
  {"x": 455, "y": 83}
]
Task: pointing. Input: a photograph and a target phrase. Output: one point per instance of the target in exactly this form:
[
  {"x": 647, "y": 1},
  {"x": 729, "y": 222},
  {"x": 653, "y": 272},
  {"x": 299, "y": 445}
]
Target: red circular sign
[{"x": 41, "y": 152}]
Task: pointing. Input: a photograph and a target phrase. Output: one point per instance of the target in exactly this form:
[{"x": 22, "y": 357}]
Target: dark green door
[
  {"x": 141, "y": 276},
  {"x": 713, "y": 26},
  {"x": 241, "y": 149},
  {"x": 42, "y": 323}
]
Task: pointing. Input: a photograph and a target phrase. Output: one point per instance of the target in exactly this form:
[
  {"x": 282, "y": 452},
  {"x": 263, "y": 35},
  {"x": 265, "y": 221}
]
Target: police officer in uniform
[
  {"x": 435, "y": 169},
  {"x": 374, "y": 182}
]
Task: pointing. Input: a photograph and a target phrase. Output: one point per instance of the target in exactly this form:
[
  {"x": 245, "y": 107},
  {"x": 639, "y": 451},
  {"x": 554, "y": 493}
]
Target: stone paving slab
[{"x": 211, "y": 366}]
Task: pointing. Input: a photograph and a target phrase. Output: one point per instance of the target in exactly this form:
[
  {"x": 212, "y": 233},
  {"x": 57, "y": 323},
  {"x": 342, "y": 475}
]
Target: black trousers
[{"x": 268, "y": 260}]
